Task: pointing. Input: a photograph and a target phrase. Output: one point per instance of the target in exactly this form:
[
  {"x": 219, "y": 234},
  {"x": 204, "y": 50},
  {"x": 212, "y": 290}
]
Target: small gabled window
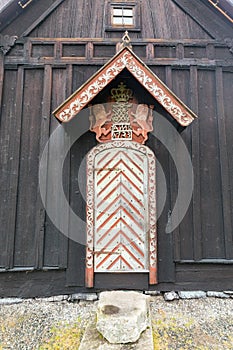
[{"x": 122, "y": 15}]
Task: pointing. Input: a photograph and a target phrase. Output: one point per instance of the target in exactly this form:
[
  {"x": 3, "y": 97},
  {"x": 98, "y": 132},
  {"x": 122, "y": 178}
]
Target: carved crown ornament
[{"x": 123, "y": 120}]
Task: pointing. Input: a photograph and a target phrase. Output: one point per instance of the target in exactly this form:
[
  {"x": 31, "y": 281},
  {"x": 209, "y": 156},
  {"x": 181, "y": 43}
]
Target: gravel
[
  {"x": 32, "y": 323},
  {"x": 199, "y": 324}
]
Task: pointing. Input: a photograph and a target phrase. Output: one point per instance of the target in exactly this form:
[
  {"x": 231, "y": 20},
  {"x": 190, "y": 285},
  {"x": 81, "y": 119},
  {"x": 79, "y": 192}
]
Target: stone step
[
  {"x": 122, "y": 322},
  {"x": 93, "y": 340}
]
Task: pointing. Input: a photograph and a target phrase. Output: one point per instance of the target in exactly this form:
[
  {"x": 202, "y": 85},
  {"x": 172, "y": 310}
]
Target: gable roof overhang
[
  {"x": 225, "y": 7},
  {"x": 125, "y": 59},
  {"x": 34, "y": 12}
]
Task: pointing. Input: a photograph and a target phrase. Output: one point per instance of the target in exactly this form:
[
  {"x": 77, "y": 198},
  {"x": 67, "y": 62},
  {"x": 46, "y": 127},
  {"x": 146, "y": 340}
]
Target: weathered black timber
[{"x": 60, "y": 45}]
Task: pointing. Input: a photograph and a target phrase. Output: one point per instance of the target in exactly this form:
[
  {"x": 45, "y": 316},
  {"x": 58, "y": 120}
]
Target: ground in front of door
[{"x": 39, "y": 324}]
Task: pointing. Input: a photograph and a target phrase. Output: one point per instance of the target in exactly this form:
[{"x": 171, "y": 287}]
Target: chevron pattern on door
[{"x": 121, "y": 211}]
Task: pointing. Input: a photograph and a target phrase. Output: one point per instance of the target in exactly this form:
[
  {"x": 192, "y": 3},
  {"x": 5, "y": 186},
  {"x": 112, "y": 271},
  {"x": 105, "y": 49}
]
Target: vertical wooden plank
[
  {"x": 28, "y": 170},
  {"x": 55, "y": 251},
  {"x": 210, "y": 175},
  {"x": 180, "y": 51},
  {"x": 56, "y": 243},
  {"x": 166, "y": 265},
  {"x": 175, "y": 238},
  {"x": 150, "y": 51},
  {"x": 197, "y": 232},
  {"x": 63, "y": 240},
  {"x": 148, "y": 31},
  {"x": 181, "y": 87},
  {"x": 9, "y": 161},
  {"x": 69, "y": 79},
  {"x": 227, "y": 76},
  {"x": 15, "y": 173},
  {"x": 44, "y": 135},
  {"x": 97, "y": 27},
  {"x": 1, "y": 76},
  {"x": 75, "y": 275},
  {"x": 224, "y": 166}
]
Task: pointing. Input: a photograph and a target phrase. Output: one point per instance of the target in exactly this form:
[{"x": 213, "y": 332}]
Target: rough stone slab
[
  {"x": 93, "y": 340},
  {"x": 192, "y": 294},
  {"x": 230, "y": 292},
  {"x": 55, "y": 298},
  {"x": 9, "y": 301},
  {"x": 217, "y": 294},
  {"x": 122, "y": 316},
  {"x": 83, "y": 296},
  {"x": 169, "y": 296},
  {"x": 152, "y": 292}
]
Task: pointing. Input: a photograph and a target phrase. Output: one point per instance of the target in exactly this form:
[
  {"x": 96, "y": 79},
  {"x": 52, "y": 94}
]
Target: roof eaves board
[{"x": 125, "y": 59}]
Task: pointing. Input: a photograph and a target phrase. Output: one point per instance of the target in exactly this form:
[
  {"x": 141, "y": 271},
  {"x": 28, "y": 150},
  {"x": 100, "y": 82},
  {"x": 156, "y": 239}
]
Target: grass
[
  {"x": 169, "y": 333},
  {"x": 66, "y": 337}
]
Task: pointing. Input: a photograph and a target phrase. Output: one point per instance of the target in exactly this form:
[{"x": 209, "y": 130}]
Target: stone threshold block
[
  {"x": 122, "y": 316},
  {"x": 93, "y": 340},
  {"x": 122, "y": 322}
]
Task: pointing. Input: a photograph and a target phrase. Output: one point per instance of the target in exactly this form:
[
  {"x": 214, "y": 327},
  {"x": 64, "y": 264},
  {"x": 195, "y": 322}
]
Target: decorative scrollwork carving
[
  {"x": 6, "y": 42},
  {"x": 151, "y": 83}
]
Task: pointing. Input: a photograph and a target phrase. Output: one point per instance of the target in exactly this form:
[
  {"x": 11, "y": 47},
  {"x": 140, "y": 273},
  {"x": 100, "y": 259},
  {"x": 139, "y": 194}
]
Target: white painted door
[{"x": 121, "y": 211}]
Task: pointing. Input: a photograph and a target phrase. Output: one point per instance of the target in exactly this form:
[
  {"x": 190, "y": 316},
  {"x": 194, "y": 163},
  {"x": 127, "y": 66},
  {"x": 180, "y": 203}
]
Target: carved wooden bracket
[
  {"x": 6, "y": 42},
  {"x": 229, "y": 42}
]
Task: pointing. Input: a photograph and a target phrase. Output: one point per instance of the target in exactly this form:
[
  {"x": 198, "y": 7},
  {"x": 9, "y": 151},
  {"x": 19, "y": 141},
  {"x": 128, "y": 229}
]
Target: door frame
[{"x": 90, "y": 200}]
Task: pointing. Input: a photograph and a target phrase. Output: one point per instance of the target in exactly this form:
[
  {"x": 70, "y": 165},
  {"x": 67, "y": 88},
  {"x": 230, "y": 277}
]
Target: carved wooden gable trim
[{"x": 125, "y": 59}]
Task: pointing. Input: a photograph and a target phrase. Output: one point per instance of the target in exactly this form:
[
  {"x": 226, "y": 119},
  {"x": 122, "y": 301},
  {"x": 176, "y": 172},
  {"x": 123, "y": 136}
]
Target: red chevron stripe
[
  {"x": 132, "y": 231},
  {"x": 107, "y": 232},
  {"x": 132, "y": 195},
  {"x": 120, "y": 191},
  {"x": 113, "y": 179},
  {"x": 132, "y": 243},
  {"x": 115, "y": 261},
  {"x": 105, "y": 157},
  {"x": 131, "y": 161},
  {"x": 114, "y": 202},
  {"x": 114, "y": 225},
  {"x": 140, "y": 158},
  {"x": 133, "y": 256},
  {"x": 119, "y": 209},
  {"x": 113, "y": 190},
  {"x": 115, "y": 166},
  {"x": 119, "y": 257},
  {"x": 132, "y": 218}
]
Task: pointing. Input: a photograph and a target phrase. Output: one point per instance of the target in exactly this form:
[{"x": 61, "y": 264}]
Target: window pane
[
  {"x": 117, "y": 20},
  {"x": 128, "y": 12},
  {"x": 117, "y": 12},
  {"x": 128, "y": 21}
]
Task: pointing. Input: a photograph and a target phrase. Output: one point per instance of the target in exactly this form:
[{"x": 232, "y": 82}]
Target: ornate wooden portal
[{"x": 121, "y": 213}]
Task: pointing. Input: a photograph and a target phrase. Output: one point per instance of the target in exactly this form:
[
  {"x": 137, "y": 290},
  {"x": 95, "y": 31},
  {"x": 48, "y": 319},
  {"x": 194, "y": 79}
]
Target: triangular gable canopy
[{"x": 125, "y": 59}]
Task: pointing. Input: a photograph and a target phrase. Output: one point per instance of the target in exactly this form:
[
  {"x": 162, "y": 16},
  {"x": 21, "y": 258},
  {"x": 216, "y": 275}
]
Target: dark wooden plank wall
[
  {"x": 41, "y": 71},
  {"x": 206, "y": 229},
  {"x": 80, "y": 19}
]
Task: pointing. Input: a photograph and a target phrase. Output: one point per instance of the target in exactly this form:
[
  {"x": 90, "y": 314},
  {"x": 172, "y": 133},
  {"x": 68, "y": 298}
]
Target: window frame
[{"x": 111, "y": 5}]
